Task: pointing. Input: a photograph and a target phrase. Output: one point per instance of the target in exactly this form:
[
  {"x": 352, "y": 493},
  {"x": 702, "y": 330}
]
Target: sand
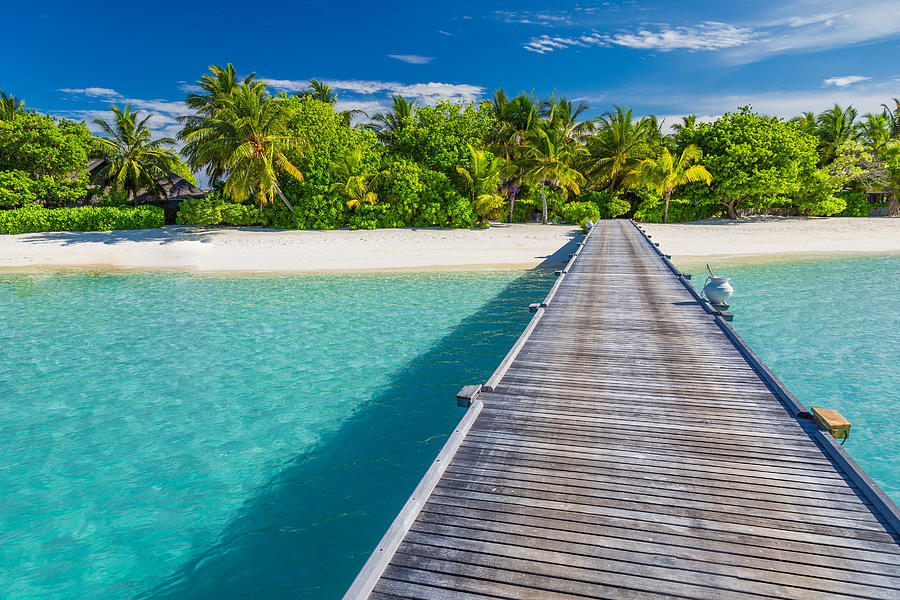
[
  {"x": 518, "y": 246},
  {"x": 766, "y": 238}
]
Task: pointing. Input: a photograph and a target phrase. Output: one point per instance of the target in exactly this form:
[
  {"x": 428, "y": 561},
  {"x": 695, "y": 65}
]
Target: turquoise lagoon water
[
  {"x": 830, "y": 330},
  {"x": 170, "y": 436},
  {"x": 178, "y": 436}
]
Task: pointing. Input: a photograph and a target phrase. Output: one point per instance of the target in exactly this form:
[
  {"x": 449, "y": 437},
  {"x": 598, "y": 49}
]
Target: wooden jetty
[{"x": 631, "y": 446}]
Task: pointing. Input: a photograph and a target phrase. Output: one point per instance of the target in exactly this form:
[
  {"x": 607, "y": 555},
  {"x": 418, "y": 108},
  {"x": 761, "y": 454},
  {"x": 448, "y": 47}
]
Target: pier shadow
[{"x": 309, "y": 529}]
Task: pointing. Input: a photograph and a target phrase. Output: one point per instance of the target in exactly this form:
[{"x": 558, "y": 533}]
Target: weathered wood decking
[{"x": 633, "y": 447}]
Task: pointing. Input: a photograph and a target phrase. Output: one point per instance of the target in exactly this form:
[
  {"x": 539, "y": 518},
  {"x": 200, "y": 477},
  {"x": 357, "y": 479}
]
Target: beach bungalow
[{"x": 175, "y": 189}]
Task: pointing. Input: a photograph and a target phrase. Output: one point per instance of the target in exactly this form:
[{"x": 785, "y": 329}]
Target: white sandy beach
[
  {"x": 501, "y": 246},
  {"x": 259, "y": 250},
  {"x": 759, "y": 238}
]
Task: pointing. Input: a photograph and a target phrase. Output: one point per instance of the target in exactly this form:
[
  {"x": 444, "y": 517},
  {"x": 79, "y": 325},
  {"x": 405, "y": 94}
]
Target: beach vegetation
[
  {"x": 34, "y": 218},
  {"x": 666, "y": 172},
  {"x": 134, "y": 161}
]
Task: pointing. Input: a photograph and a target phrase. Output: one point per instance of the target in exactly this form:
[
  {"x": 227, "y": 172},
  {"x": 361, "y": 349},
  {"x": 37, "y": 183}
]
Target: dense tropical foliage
[{"x": 297, "y": 161}]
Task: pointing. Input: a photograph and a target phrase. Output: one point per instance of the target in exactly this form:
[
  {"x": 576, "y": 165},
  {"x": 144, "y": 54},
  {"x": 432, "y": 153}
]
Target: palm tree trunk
[
  {"x": 284, "y": 199},
  {"x": 544, "y": 199},
  {"x": 666, "y": 213},
  {"x": 513, "y": 190}
]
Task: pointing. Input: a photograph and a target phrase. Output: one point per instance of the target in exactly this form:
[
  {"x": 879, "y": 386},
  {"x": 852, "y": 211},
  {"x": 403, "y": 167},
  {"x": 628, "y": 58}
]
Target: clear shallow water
[
  {"x": 174, "y": 436},
  {"x": 169, "y": 436},
  {"x": 830, "y": 330}
]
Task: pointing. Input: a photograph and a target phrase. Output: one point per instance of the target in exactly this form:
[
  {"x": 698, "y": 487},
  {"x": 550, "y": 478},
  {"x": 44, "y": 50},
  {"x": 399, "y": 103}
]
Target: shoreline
[
  {"x": 265, "y": 251},
  {"x": 788, "y": 239},
  {"x": 246, "y": 251}
]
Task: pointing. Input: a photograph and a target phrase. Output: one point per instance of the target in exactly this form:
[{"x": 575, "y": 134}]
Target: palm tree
[
  {"x": 358, "y": 187},
  {"x": 666, "y": 172},
  {"x": 617, "y": 148},
  {"x": 10, "y": 106},
  {"x": 516, "y": 120},
  {"x": 564, "y": 115},
  {"x": 806, "y": 123},
  {"x": 836, "y": 126},
  {"x": 219, "y": 89},
  {"x": 482, "y": 180},
  {"x": 387, "y": 125},
  {"x": 688, "y": 122},
  {"x": 548, "y": 161},
  {"x": 135, "y": 161},
  {"x": 321, "y": 91},
  {"x": 876, "y": 131},
  {"x": 248, "y": 136},
  {"x": 894, "y": 117}
]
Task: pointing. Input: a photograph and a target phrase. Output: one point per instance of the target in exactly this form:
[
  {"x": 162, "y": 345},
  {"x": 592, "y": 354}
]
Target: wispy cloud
[
  {"x": 845, "y": 81},
  {"x": 710, "y": 35},
  {"x": 813, "y": 25},
  {"x": 797, "y": 26},
  {"x": 427, "y": 93},
  {"x": 163, "y": 113},
  {"x": 412, "y": 59},
  {"x": 93, "y": 92},
  {"x": 528, "y": 17}
]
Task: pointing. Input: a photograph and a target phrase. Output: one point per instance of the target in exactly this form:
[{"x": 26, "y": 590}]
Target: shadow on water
[{"x": 308, "y": 531}]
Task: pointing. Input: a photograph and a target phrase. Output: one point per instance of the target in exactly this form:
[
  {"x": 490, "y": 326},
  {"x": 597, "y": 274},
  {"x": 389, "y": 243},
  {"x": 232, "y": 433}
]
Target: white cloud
[
  {"x": 427, "y": 93},
  {"x": 711, "y": 35},
  {"x": 845, "y": 81},
  {"x": 412, "y": 59},
  {"x": 528, "y": 17},
  {"x": 546, "y": 43},
  {"x": 93, "y": 92},
  {"x": 782, "y": 103},
  {"x": 812, "y": 25}
]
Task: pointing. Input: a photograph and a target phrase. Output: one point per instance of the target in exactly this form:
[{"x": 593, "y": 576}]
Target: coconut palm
[
  {"x": 617, "y": 148},
  {"x": 218, "y": 89},
  {"x": 9, "y": 106},
  {"x": 134, "y": 160},
  {"x": 249, "y": 137},
  {"x": 321, "y": 91},
  {"x": 516, "y": 119},
  {"x": 548, "y": 160},
  {"x": 688, "y": 122},
  {"x": 481, "y": 178},
  {"x": 563, "y": 115},
  {"x": 806, "y": 123},
  {"x": 387, "y": 125},
  {"x": 666, "y": 172},
  {"x": 893, "y": 114},
  {"x": 836, "y": 126},
  {"x": 875, "y": 130},
  {"x": 358, "y": 187}
]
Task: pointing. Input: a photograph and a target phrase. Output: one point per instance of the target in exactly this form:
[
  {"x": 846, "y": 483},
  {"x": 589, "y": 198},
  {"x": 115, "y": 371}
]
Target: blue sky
[{"x": 666, "y": 58}]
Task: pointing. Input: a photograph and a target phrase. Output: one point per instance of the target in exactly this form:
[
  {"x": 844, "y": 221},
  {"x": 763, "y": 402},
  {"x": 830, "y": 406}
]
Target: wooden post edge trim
[
  {"x": 378, "y": 561},
  {"x": 887, "y": 508},
  {"x": 494, "y": 380}
]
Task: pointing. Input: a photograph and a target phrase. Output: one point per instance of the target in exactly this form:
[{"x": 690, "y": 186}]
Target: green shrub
[
  {"x": 609, "y": 205},
  {"x": 33, "y": 218},
  {"x": 857, "y": 204},
  {"x": 212, "y": 209},
  {"x": 576, "y": 213}
]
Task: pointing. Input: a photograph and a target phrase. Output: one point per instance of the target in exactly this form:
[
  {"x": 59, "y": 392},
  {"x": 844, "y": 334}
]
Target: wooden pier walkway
[{"x": 631, "y": 446}]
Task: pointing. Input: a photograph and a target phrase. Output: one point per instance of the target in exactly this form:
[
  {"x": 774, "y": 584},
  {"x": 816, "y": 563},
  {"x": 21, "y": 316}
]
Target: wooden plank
[{"x": 630, "y": 445}]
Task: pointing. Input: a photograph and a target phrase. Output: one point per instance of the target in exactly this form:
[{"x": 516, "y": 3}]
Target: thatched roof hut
[{"x": 175, "y": 189}]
